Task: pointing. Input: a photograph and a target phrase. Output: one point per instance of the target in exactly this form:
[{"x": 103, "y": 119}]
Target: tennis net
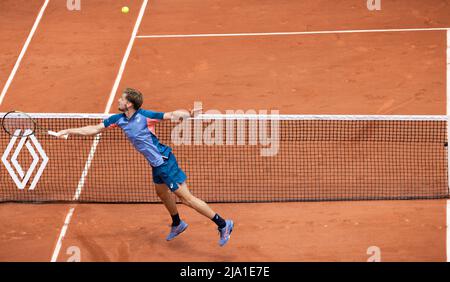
[{"x": 236, "y": 158}]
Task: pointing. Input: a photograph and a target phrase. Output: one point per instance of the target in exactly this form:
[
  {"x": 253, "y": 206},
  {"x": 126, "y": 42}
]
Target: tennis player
[{"x": 139, "y": 127}]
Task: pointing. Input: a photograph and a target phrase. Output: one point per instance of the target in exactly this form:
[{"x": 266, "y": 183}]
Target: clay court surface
[{"x": 74, "y": 59}]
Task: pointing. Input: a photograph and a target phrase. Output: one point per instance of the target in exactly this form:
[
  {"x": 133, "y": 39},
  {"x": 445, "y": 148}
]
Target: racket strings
[{"x": 18, "y": 124}]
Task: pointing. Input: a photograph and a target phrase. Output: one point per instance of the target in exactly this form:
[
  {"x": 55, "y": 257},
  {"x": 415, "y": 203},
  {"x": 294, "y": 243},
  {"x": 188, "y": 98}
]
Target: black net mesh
[{"x": 314, "y": 160}]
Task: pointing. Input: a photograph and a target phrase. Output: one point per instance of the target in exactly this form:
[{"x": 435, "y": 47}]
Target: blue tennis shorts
[{"x": 169, "y": 173}]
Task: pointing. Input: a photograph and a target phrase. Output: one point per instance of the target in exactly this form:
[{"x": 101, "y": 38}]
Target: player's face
[{"x": 124, "y": 104}]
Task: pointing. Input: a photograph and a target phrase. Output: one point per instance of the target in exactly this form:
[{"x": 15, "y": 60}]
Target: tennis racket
[{"x": 21, "y": 124}]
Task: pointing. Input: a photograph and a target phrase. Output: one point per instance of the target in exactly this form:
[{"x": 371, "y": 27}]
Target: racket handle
[{"x": 56, "y": 134}]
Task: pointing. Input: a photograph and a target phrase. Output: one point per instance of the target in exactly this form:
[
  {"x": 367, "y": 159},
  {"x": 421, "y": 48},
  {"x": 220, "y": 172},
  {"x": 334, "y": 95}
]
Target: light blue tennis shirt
[{"x": 140, "y": 130}]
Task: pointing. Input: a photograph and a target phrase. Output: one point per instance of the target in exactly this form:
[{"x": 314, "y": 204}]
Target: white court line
[
  {"x": 87, "y": 165},
  {"x": 287, "y": 33},
  {"x": 97, "y": 137},
  {"x": 22, "y": 53},
  {"x": 448, "y": 139},
  {"x": 62, "y": 234},
  {"x": 125, "y": 57}
]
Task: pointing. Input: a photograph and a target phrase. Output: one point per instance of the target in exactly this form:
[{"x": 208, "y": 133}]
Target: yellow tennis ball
[{"x": 125, "y": 10}]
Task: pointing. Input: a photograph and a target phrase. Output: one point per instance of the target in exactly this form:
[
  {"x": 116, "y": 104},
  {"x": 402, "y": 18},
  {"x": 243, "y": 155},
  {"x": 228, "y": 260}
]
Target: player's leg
[
  {"x": 167, "y": 198},
  {"x": 175, "y": 179},
  {"x": 191, "y": 201},
  {"x": 225, "y": 226},
  {"x": 178, "y": 226}
]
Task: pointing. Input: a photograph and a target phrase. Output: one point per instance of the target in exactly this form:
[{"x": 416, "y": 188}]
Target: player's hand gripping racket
[
  {"x": 194, "y": 112},
  {"x": 20, "y": 124}
]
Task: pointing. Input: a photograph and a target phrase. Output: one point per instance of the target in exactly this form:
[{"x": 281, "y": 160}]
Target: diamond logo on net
[{"x": 18, "y": 175}]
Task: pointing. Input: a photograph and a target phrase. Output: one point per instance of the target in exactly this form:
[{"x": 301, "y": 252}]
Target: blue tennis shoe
[
  {"x": 176, "y": 230},
  {"x": 225, "y": 232}
]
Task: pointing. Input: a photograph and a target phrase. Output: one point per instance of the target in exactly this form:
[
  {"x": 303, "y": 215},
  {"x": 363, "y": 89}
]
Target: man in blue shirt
[{"x": 139, "y": 127}]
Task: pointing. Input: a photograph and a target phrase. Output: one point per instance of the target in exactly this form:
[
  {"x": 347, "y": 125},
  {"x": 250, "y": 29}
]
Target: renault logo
[{"x": 18, "y": 175}]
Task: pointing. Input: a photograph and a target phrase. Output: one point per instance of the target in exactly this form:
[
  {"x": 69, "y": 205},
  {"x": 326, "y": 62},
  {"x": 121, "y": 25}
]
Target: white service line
[
  {"x": 125, "y": 57},
  {"x": 62, "y": 234},
  {"x": 448, "y": 139},
  {"x": 24, "y": 50},
  {"x": 97, "y": 137},
  {"x": 287, "y": 33},
  {"x": 87, "y": 165}
]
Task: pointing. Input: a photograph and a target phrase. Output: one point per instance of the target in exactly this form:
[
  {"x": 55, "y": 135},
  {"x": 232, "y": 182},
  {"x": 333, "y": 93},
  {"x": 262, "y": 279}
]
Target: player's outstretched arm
[
  {"x": 85, "y": 131},
  {"x": 181, "y": 114},
  {"x": 175, "y": 115}
]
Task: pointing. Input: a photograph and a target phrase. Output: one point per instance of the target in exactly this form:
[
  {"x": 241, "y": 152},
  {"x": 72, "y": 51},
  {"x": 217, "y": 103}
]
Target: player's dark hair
[{"x": 134, "y": 97}]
